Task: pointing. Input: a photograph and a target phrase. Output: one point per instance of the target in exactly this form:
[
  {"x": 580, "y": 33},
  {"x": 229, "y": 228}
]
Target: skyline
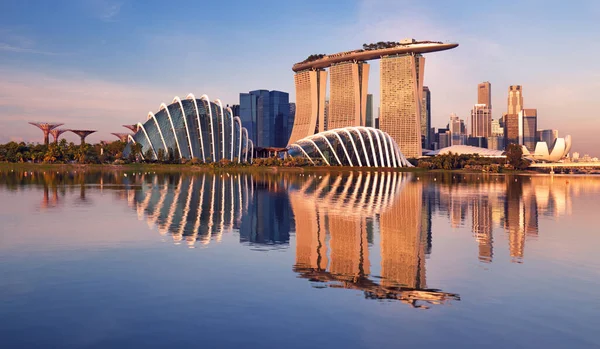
[{"x": 99, "y": 64}]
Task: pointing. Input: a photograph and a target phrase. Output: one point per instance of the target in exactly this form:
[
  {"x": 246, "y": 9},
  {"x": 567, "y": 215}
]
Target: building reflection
[
  {"x": 509, "y": 203},
  {"x": 337, "y": 217}
]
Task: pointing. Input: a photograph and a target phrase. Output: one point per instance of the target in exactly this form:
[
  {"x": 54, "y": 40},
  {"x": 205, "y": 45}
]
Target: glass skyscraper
[{"x": 266, "y": 116}]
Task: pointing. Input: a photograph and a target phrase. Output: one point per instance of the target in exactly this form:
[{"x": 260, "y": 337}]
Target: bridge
[{"x": 567, "y": 165}]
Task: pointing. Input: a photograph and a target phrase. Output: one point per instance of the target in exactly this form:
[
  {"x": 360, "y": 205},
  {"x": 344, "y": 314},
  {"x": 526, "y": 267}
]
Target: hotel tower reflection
[{"x": 336, "y": 218}]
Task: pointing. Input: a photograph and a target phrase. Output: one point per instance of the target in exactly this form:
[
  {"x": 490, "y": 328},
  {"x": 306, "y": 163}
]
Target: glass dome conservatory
[
  {"x": 194, "y": 128},
  {"x": 350, "y": 146}
]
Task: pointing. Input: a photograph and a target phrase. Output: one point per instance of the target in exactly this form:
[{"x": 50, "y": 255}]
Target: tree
[
  {"x": 149, "y": 155},
  {"x": 136, "y": 151},
  {"x": 514, "y": 156}
]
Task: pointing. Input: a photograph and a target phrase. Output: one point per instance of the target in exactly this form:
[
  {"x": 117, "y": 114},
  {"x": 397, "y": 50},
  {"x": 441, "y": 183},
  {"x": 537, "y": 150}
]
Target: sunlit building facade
[
  {"x": 348, "y": 94},
  {"x": 401, "y": 81},
  {"x": 310, "y": 103}
]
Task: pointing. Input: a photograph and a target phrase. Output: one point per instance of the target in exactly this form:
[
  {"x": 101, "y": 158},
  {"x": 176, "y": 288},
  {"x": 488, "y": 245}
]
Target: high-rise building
[
  {"x": 515, "y": 99},
  {"x": 370, "y": 118},
  {"x": 426, "y": 118},
  {"x": 529, "y": 128},
  {"x": 291, "y": 119},
  {"x": 265, "y": 114},
  {"x": 481, "y": 121},
  {"x": 310, "y": 103},
  {"x": 548, "y": 136},
  {"x": 497, "y": 130},
  {"x": 401, "y": 81},
  {"x": 511, "y": 129},
  {"x": 325, "y": 122},
  {"x": 235, "y": 109},
  {"x": 348, "y": 94},
  {"x": 458, "y": 130},
  {"x": 484, "y": 94}
]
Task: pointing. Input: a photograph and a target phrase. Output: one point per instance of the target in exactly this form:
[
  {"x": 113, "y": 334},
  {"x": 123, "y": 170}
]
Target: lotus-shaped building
[
  {"x": 350, "y": 146},
  {"x": 194, "y": 128},
  {"x": 558, "y": 150}
]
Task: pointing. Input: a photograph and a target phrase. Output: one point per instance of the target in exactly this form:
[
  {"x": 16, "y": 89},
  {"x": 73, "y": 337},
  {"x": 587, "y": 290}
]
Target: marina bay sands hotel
[{"x": 401, "y": 83}]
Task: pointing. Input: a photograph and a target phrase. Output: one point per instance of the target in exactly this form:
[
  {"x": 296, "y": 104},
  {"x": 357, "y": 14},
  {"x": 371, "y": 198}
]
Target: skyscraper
[
  {"x": 511, "y": 129},
  {"x": 481, "y": 121},
  {"x": 370, "y": 118},
  {"x": 515, "y": 99},
  {"x": 484, "y": 94},
  {"x": 529, "y": 128},
  {"x": 512, "y": 122},
  {"x": 457, "y": 130},
  {"x": 426, "y": 118},
  {"x": 291, "y": 119},
  {"x": 310, "y": 102},
  {"x": 348, "y": 94},
  {"x": 548, "y": 136},
  {"x": 401, "y": 81},
  {"x": 267, "y": 114}
]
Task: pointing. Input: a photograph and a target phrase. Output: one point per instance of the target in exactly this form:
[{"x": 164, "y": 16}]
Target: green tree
[{"x": 514, "y": 156}]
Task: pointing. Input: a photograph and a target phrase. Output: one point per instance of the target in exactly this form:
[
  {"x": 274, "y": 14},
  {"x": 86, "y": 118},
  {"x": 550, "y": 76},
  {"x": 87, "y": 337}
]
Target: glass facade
[
  {"x": 266, "y": 116},
  {"x": 194, "y": 128},
  {"x": 350, "y": 146}
]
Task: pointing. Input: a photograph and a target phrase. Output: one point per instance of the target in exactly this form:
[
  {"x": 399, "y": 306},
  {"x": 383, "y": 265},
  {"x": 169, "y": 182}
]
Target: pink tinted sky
[{"x": 110, "y": 68}]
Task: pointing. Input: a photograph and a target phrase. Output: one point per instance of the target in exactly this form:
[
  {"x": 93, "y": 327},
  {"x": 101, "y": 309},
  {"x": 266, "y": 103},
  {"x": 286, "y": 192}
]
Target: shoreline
[{"x": 185, "y": 168}]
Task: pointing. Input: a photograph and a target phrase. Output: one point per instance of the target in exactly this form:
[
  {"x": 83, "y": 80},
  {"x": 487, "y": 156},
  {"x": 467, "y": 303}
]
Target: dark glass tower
[{"x": 266, "y": 115}]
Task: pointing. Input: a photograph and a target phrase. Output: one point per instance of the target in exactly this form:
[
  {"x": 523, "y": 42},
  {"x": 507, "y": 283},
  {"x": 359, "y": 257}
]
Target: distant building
[
  {"x": 235, "y": 109},
  {"x": 291, "y": 119},
  {"x": 265, "y": 114},
  {"x": 495, "y": 143},
  {"x": 511, "y": 129},
  {"x": 548, "y": 136},
  {"x": 529, "y": 128},
  {"x": 481, "y": 121},
  {"x": 458, "y": 131},
  {"x": 426, "y": 118},
  {"x": 480, "y": 142},
  {"x": 325, "y": 125},
  {"x": 515, "y": 99},
  {"x": 370, "y": 118},
  {"x": 484, "y": 94},
  {"x": 497, "y": 129}
]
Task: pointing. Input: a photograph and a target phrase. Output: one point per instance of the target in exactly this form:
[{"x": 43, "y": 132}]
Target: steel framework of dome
[
  {"x": 194, "y": 128},
  {"x": 351, "y": 146}
]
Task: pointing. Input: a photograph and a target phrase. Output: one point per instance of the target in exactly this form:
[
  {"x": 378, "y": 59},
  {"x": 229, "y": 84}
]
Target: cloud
[{"x": 12, "y": 40}]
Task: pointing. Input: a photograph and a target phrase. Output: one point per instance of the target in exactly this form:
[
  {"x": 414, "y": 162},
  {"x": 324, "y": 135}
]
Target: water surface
[{"x": 355, "y": 260}]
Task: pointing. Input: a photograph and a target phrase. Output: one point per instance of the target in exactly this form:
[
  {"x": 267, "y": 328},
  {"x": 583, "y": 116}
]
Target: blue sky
[{"x": 102, "y": 63}]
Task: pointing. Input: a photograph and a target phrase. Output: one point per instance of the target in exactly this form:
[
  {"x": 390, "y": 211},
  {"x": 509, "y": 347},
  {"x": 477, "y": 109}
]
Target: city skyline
[{"x": 63, "y": 77}]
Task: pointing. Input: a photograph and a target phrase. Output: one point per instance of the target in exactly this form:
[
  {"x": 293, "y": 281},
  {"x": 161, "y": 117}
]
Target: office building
[
  {"x": 548, "y": 136},
  {"x": 515, "y": 99},
  {"x": 265, "y": 114},
  {"x": 484, "y": 94},
  {"x": 481, "y": 121},
  {"x": 528, "y": 131},
  {"x": 291, "y": 119},
  {"x": 458, "y": 130},
  {"x": 426, "y": 118},
  {"x": 370, "y": 118}
]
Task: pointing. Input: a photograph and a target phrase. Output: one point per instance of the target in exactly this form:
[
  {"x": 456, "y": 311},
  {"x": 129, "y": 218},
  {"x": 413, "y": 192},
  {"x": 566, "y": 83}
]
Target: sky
[{"x": 98, "y": 64}]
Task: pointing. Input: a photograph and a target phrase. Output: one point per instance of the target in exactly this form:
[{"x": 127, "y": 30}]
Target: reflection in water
[
  {"x": 336, "y": 217},
  {"x": 202, "y": 208},
  {"x": 365, "y": 231},
  {"x": 512, "y": 203}
]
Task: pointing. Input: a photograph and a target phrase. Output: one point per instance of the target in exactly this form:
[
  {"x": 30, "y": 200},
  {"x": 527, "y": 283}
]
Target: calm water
[{"x": 362, "y": 260}]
